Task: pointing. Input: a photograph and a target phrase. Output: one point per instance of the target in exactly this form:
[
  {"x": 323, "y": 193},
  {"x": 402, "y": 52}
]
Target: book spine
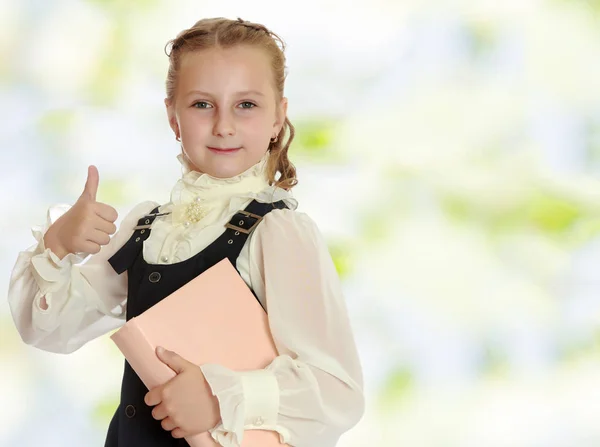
[{"x": 141, "y": 355}]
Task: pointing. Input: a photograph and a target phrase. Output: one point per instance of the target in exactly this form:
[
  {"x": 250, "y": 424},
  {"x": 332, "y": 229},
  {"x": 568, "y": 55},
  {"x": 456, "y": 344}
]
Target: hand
[
  {"x": 86, "y": 226},
  {"x": 185, "y": 404}
]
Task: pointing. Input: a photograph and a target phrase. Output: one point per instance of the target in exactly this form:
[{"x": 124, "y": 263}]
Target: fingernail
[{"x": 160, "y": 349}]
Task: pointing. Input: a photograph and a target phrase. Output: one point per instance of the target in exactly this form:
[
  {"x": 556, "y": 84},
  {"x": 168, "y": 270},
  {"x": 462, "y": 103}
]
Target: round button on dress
[
  {"x": 130, "y": 411},
  {"x": 154, "y": 277}
]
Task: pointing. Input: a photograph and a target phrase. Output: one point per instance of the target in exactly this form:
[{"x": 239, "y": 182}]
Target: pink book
[{"x": 214, "y": 318}]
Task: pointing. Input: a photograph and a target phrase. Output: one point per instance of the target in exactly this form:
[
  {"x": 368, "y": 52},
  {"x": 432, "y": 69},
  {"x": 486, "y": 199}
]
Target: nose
[{"x": 224, "y": 124}]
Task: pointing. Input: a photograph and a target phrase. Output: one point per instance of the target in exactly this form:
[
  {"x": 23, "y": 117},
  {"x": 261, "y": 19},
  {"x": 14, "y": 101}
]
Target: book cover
[{"x": 214, "y": 318}]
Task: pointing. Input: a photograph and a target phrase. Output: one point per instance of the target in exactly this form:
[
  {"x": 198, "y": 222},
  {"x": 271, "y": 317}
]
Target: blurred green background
[{"x": 448, "y": 149}]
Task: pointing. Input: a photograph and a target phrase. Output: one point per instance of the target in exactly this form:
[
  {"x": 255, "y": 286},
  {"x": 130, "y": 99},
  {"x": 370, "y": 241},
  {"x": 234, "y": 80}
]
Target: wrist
[{"x": 52, "y": 243}]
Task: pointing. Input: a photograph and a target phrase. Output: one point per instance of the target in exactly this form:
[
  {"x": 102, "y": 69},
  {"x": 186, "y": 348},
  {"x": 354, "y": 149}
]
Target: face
[{"x": 226, "y": 109}]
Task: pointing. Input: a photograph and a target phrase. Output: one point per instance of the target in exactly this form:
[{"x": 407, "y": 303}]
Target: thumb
[
  {"x": 91, "y": 185},
  {"x": 172, "y": 359}
]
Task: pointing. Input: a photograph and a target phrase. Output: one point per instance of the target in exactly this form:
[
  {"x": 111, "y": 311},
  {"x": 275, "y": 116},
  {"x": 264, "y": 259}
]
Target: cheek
[
  {"x": 257, "y": 138},
  {"x": 186, "y": 120},
  {"x": 193, "y": 118},
  {"x": 257, "y": 127}
]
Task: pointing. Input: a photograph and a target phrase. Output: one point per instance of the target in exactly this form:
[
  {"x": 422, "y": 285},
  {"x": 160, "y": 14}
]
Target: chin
[{"x": 226, "y": 172}]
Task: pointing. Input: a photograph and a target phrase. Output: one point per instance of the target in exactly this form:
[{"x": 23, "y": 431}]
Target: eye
[
  {"x": 201, "y": 105},
  {"x": 247, "y": 105}
]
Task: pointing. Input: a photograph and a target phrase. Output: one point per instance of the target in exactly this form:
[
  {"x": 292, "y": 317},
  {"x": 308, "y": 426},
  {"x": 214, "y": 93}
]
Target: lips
[{"x": 224, "y": 150}]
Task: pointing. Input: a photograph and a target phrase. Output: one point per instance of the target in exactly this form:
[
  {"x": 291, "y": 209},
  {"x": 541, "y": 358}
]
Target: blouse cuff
[
  {"x": 49, "y": 271},
  {"x": 247, "y": 400}
]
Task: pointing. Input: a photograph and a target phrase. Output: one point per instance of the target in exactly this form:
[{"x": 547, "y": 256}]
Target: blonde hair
[{"x": 226, "y": 33}]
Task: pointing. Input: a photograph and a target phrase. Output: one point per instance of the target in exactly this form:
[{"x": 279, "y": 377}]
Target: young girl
[{"x": 225, "y": 105}]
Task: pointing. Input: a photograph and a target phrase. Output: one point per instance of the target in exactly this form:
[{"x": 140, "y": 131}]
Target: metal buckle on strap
[
  {"x": 142, "y": 227},
  {"x": 244, "y": 230}
]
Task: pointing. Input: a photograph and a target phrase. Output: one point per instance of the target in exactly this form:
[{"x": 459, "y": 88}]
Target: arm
[
  {"x": 60, "y": 304},
  {"x": 313, "y": 391}
]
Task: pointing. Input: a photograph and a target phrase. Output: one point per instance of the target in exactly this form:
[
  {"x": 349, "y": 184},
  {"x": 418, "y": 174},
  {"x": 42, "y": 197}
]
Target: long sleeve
[
  {"x": 83, "y": 299},
  {"x": 313, "y": 391}
]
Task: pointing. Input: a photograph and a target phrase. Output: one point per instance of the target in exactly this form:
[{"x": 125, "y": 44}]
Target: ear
[
  {"x": 172, "y": 117},
  {"x": 281, "y": 115}
]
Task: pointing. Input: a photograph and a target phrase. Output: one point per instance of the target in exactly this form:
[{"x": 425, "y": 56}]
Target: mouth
[{"x": 224, "y": 150}]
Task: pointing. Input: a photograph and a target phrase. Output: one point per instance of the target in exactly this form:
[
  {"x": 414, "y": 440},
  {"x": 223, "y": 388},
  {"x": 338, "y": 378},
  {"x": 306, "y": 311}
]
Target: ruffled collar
[
  {"x": 203, "y": 185},
  {"x": 198, "y": 193}
]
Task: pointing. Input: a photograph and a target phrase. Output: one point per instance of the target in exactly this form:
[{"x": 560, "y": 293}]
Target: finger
[
  {"x": 91, "y": 184},
  {"x": 105, "y": 226},
  {"x": 168, "y": 424},
  {"x": 159, "y": 412},
  {"x": 106, "y": 212},
  {"x": 98, "y": 237},
  {"x": 172, "y": 360},
  {"x": 153, "y": 397},
  {"x": 90, "y": 247},
  {"x": 178, "y": 433}
]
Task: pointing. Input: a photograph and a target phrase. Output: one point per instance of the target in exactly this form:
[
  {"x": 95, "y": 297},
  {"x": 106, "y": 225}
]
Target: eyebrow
[{"x": 243, "y": 93}]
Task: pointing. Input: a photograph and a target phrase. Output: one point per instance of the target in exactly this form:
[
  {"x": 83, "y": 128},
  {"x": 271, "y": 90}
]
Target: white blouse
[{"x": 310, "y": 394}]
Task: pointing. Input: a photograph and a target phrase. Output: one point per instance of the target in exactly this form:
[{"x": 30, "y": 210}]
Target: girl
[{"x": 225, "y": 105}]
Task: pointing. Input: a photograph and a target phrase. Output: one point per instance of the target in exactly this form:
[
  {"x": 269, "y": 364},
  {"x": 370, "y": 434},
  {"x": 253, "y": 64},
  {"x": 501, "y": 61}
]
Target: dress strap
[
  {"x": 238, "y": 229},
  {"x": 146, "y": 221},
  {"x": 125, "y": 256},
  {"x": 229, "y": 244},
  {"x": 244, "y": 221}
]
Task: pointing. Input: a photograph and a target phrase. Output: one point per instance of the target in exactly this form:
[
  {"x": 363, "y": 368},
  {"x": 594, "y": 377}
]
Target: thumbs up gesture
[{"x": 86, "y": 226}]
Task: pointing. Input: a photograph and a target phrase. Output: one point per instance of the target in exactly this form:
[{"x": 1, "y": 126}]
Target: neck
[{"x": 188, "y": 167}]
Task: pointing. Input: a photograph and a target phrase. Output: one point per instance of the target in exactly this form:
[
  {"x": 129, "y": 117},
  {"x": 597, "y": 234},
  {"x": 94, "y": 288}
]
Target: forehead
[{"x": 224, "y": 69}]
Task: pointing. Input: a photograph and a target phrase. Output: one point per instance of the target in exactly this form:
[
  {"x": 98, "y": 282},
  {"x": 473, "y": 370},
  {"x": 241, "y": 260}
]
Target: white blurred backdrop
[{"x": 448, "y": 149}]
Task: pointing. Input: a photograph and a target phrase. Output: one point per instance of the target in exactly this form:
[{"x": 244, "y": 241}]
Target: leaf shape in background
[
  {"x": 493, "y": 361},
  {"x": 553, "y": 214},
  {"x": 113, "y": 190},
  {"x": 314, "y": 139},
  {"x": 53, "y": 126},
  {"x": 103, "y": 411},
  {"x": 105, "y": 86},
  {"x": 342, "y": 254},
  {"x": 580, "y": 349},
  {"x": 496, "y": 221},
  {"x": 396, "y": 387},
  {"x": 589, "y": 6},
  {"x": 482, "y": 38}
]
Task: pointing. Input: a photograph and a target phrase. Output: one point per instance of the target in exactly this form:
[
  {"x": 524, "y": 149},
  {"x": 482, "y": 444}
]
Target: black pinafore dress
[{"x": 132, "y": 424}]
